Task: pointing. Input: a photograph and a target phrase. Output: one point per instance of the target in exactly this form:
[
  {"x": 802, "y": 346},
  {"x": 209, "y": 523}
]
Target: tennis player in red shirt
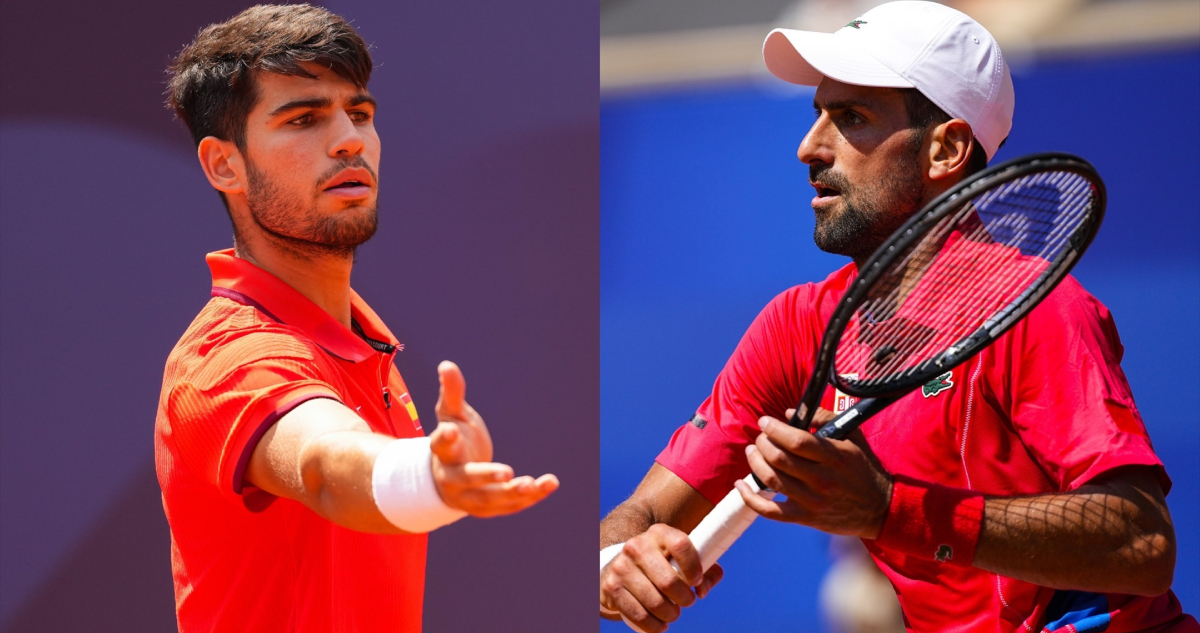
[
  {"x": 1029, "y": 462},
  {"x": 296, "y": 475}
]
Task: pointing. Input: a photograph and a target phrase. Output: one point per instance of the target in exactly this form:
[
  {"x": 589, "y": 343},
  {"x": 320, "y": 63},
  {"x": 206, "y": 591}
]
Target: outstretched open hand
[
  {"x": 460, "y": 436},
  {"x": 466, "y": 477}
]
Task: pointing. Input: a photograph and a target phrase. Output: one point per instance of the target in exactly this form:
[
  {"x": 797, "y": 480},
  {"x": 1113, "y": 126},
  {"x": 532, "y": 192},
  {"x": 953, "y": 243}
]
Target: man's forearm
[
  {"x": 662, "y": 497},
  {"x": 625, "y": 522},
  {"x": 337, "y": 471},
  {"x": 1113, "y": 536}
]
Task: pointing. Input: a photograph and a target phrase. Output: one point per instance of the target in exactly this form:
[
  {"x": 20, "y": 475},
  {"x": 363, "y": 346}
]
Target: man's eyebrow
[
  {"x": 301, "y": 104},
  {"x": 319, "y": 103},
  {"x": 362, "y": 98},
  {"x": 842, "y": 104}
]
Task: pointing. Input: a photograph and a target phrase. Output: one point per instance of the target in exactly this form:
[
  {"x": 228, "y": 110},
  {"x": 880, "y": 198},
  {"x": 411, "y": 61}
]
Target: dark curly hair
[{"x": 212, "y": 87}]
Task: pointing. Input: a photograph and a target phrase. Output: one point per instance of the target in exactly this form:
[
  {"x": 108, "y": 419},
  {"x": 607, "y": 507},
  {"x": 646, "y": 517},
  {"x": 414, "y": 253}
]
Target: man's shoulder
[
  {"x": 1068, "y": 323},
  {"x": 1069, "y": 305},
  {"x": 226, "y": 335},
  {"x": 819, "y": 298}
]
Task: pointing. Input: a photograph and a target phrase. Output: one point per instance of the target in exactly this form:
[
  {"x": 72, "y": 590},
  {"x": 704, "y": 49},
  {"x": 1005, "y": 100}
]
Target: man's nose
[
  {"x": 348, "y": 139},
  {"x": 814, "y": 148}
]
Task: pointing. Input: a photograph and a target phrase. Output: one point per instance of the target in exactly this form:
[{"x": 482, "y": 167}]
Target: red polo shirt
[
  {"x": 1044, "y": 409},
  {"x": 245, "y": 560}
]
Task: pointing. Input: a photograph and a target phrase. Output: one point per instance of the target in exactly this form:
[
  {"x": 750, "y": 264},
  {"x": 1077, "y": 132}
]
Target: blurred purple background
[{"x": 487, "y": 254}]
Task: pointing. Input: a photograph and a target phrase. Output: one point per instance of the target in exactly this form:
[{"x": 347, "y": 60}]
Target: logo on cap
[{"x": 854, "y": 24}]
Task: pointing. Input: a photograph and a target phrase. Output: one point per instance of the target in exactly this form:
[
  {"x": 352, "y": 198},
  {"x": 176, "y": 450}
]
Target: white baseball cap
[{"x": 942, "y": 52}]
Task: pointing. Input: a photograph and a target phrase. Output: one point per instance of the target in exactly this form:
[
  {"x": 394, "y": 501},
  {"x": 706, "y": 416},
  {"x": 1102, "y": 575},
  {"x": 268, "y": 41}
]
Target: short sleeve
[
  {"x": 764, "y": 376},
  {"x": 1069, "y": 401},
  {"x": 219, "y": 412}
]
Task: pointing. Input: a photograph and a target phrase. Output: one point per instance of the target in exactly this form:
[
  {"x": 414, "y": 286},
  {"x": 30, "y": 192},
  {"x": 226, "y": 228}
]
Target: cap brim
[{"x": 805, "y": 57}]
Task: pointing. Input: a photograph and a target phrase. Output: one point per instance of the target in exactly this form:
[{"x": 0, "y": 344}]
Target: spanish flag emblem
[{"x": 410, "y": 407}]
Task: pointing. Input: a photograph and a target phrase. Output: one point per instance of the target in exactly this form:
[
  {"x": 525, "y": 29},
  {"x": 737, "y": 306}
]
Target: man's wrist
[
  {"x": 932, "y": 521},
  {"x": 404, "y": 488},
  {"x": 881, "y": 513}
]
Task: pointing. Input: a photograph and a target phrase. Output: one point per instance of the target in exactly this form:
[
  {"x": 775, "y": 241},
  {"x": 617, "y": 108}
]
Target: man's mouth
[
  {"x": 351, "y": 183},
  {"x": 825, "y": 193},
  {"x": 348, "y": 183}
]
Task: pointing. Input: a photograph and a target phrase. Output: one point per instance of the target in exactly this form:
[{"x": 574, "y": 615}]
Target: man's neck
[{"x": 324, "y": 280}]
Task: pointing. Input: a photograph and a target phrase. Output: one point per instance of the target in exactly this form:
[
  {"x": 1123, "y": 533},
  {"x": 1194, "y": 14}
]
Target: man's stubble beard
[
  {"x": 299, "y": 226},
  {"x": 870, "y": 212}
]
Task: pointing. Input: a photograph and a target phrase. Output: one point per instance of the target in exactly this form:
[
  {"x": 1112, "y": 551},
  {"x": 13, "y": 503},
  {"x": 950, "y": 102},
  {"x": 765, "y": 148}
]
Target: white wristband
[{"x": 405, "y": 493}]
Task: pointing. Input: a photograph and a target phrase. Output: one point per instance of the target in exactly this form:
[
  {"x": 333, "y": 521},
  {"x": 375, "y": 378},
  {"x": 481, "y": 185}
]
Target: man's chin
[{"x": 344, "y": 231}]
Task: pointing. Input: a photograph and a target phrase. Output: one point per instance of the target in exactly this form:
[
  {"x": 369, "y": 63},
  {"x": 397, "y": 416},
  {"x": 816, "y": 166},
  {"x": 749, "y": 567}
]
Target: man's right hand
[
  {"x": 465, "y": 476},
  {"x": 645, "y": 589}
]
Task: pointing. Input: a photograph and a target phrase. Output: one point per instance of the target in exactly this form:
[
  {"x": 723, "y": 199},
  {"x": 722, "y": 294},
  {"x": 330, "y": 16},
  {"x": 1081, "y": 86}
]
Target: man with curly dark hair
[{"x": 297, "y": 479}]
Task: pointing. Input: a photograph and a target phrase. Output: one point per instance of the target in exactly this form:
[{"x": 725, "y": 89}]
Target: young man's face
[
  {"x": 312, "y": 158},
  {"x": 865, "y": 162}
]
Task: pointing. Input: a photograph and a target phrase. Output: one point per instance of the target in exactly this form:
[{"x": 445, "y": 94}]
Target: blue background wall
[{"x": 705, "y": 217}]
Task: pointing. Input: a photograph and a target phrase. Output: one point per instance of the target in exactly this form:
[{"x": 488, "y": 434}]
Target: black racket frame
[{"x": 878, "y": 397}]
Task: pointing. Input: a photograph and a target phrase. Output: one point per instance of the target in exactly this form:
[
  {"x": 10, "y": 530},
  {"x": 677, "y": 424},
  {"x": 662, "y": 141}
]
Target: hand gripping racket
[{"x": 947, "y": 283}]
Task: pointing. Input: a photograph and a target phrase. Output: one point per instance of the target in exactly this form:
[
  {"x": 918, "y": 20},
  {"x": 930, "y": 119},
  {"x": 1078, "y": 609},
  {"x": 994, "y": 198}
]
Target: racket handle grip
[{"x": 724, "y": 524}]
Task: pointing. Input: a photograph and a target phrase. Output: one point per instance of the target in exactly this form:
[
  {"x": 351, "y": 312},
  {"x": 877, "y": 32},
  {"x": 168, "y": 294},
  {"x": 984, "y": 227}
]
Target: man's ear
[
  {"x": 950, "y": 149},
  {"x": 223, "y": 165}
]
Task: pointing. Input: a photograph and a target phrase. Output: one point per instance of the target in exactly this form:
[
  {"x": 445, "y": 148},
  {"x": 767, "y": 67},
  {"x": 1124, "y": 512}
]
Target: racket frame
[{"x": 912, "y": 230}]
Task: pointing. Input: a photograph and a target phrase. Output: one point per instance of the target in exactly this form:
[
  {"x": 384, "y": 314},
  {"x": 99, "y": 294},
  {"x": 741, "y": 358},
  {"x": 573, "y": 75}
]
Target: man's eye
[
  {"x": 302, "y": 120},
  {"x": 360, "y": 117},
  {"x": 851, "y": 118}
]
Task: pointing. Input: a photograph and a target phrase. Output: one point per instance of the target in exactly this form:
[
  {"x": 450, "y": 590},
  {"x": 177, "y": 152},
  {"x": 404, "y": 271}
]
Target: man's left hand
[{"x": 836, "y": 486}]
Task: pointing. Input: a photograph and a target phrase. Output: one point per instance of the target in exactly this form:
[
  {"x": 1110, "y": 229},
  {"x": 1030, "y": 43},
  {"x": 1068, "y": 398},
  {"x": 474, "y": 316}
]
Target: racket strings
[
  {"x": 908, "y": 339},
  {"x": 970, "y": 267}
]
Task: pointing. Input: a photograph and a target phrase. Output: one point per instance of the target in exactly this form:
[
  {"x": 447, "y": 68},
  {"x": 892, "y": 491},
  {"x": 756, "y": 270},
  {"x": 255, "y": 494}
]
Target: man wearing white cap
[{"x": 1030, "y": 460}]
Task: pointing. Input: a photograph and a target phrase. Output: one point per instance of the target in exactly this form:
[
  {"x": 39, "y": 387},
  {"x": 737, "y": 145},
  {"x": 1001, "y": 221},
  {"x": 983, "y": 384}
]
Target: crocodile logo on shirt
[
  {"x": 854, "y": 24},
  {"x": 937, "y": 385},
  {"x": 944, "y": 553}
]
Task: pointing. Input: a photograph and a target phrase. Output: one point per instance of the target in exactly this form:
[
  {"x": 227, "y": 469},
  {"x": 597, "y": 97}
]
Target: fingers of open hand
[
  {"x": 452, "y": 392},
  {"x": 458, "y": 478},
  {"x": 446, "y": 443},
  {"x": 497, "y": 499},
  {"x": 460, "y": 442}
]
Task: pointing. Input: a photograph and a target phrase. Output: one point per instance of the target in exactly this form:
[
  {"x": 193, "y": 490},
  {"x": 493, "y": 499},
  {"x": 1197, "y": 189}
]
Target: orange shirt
[{"x": 243, "y": 559}]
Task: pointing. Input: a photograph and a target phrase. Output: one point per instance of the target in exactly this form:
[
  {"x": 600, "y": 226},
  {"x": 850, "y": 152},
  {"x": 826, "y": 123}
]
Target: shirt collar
[{"x": 241, "y": 281}]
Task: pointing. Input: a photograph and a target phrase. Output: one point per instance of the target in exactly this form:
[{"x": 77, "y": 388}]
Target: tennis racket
[{"x": 947, "y": 283}]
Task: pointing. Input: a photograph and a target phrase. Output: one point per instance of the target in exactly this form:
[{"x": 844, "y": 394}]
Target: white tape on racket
[{"x": 724, "y": 525}]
